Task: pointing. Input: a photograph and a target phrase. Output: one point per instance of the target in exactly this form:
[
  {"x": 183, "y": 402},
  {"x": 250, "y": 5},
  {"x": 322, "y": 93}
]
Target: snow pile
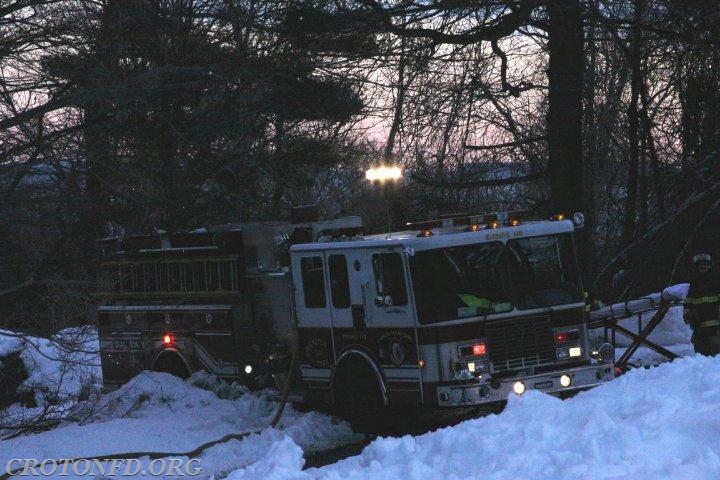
[
  {"x": 62, "y": 368},
  {"x": 157, "y": 412},
  {"x": 659, "y": 423}
]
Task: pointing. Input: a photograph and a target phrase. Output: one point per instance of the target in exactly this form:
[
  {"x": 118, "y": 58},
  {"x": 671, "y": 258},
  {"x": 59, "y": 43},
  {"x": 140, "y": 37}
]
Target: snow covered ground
[
  {"x": 654, "y": 423},
  {"x": 156, "y": 412},
  {"x": 658, "y": 423}
]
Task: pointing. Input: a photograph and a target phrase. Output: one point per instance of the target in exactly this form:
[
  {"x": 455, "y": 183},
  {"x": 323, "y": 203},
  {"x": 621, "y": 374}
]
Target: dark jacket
[{"x": 703, "y": 298}]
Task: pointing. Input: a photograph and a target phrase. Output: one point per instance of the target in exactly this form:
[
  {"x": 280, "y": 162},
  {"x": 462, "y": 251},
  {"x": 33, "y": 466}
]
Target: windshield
[
  {"x": 458, "y": 282},
  {"x": 543, "y": 271}
]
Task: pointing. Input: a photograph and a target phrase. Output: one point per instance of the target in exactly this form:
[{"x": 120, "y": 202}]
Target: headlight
[
  {"x": 519, "y": 387},
  {"x": 565, "y": 380},
  {"x": 568, "y": 352}
]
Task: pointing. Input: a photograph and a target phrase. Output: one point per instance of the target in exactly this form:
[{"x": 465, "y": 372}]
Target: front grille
[{"x": 519, "y": 343}]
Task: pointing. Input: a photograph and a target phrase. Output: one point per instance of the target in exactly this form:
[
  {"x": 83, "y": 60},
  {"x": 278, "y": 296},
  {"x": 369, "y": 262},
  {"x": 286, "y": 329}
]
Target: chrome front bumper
[{"x": 483, "y": 392}]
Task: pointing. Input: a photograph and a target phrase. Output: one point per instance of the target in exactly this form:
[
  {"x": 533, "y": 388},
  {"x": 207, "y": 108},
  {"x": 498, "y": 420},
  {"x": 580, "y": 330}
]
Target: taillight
[
  {"x": 474, "y": 350},
  {"x": 168, "y": 339},
  {"x": 567, "y": 336}
]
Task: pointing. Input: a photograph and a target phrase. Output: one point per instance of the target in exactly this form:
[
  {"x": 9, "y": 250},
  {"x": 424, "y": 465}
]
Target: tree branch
[
  {"x": 476, "y": 183},
  {"x": 502, "y": 27},
  {"x": 498, "y": 146}
]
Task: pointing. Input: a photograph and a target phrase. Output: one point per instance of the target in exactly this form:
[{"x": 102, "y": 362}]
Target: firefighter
[{"x": 702, "y": 306}]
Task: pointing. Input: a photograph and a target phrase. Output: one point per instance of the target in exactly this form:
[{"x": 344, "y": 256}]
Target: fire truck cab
[{"x": 457, "y": 312}]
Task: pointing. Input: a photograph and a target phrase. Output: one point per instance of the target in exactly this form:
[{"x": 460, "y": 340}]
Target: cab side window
[
  {"x": 311, "y": 269},
  {"x": 339, "y": 283},
  {"x": 389, "y": 279}
]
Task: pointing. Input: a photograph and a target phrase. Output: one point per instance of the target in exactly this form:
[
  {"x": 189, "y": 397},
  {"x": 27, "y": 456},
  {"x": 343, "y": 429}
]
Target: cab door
[
  {"x": 392, "y": 322},
  {"x": 390, "y": 306},
  {"x": 348, "y": 282},
  {"x": 315, "y": 326}
]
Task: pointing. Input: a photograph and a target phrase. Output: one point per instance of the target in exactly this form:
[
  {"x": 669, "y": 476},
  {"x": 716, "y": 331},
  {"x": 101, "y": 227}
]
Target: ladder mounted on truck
[{"x": 609, "y": 318}]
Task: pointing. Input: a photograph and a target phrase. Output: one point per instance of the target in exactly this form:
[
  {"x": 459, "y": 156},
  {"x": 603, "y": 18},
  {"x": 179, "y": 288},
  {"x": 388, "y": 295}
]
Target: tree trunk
[
  {"x": 630, "y": 222},
  {"x": 565, "y": 112},
  {"x": 97, "y": 138},
  {"x": 564, "y": 119},
  {"x": 399, "y": 102}
]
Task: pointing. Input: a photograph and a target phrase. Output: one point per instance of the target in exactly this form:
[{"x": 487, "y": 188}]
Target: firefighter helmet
[{"x": 701, "y": 257}]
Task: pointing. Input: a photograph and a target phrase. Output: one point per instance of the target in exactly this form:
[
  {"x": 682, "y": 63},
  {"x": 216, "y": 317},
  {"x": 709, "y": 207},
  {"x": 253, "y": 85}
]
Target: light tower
[{"x": 384, "y": 174}]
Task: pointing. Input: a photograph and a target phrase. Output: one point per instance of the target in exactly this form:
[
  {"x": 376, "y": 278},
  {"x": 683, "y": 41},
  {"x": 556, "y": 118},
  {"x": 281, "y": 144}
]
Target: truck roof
[{"x": 443, "y": 237}]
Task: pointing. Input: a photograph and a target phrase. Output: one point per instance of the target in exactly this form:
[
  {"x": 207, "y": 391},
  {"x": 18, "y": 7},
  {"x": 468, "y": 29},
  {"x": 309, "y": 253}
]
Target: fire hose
[{"x": 198, "y": 450}]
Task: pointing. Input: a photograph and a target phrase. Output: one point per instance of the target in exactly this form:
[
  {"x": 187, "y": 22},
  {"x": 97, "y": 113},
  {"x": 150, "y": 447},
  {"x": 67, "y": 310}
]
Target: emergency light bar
[
  {"x": 472, "y": 222},
  {"x": 477, "y": 222}
]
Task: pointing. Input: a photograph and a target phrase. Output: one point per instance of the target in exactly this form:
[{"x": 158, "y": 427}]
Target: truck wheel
[
  {"x": 357, "y": 398},
  {"x": 171, "y": 363}
]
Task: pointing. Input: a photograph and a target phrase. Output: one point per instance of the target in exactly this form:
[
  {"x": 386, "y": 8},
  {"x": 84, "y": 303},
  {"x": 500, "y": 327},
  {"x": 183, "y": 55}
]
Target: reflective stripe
[
  {"x": 708, "y": 299},
  {"x": 710, "y": 323}
]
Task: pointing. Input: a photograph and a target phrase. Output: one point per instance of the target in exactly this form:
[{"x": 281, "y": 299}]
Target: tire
[
  {"x": 169, "y": 362},
  {"x": 357, "y": 397}
]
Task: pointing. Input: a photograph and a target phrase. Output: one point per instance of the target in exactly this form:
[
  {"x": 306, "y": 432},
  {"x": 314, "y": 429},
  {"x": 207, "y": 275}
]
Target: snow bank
[
  {"x": 61, "y": 368},
  {"x": 158, "y": 412},
  {"x": 660, "y": 423}
]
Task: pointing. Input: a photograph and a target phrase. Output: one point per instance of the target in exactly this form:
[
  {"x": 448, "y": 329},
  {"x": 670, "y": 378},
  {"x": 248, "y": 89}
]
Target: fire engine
[{"x": 463, "y": 311}]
